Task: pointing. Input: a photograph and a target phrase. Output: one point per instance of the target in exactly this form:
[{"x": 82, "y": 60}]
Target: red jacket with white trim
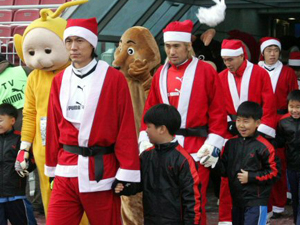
[
  {"x": 200, "y": 103},
  {"x": 256, "y": 88},
  {"x": 107, "y": 120},
  {"x": 257, "y": 156}
]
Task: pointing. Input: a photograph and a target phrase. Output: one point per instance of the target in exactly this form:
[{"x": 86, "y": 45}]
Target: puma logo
[
  {"x": 18, "y": 90},
  {"x": 80, "y": 87}
]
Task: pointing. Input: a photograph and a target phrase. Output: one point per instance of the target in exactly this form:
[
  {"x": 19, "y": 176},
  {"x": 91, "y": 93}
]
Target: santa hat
[
  {"x": 85, "y": 28},
  {"x": 179, "y": 31},
  {"x": 233, "y": 48},
  {"x": 294, "y": 59},
  {"x": 267, "y": 41}
]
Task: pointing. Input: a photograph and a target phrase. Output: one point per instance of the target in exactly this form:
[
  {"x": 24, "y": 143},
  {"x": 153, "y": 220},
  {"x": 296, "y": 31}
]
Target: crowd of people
[{"x": 243, "y": 122}]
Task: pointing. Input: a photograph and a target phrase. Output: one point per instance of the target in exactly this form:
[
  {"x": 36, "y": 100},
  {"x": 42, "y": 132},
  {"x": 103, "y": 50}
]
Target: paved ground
[{"x": 212, "y": 214}]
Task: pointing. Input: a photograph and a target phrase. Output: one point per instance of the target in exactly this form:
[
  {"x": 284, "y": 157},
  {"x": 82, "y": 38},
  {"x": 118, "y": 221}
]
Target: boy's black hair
[
  {"x": 9, "y": 110},
  {"x": 163, "y": 114},
  {"x": 250, "y": 109},
  {"x": 294, "y": 96}
]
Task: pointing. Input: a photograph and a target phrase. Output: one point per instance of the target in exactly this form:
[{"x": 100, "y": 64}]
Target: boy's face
[
  {"x": 294, "y": 109},
  {"x": 6, "y": 123},
  {"x": 154, "y": 133},
  {"x": 246, "y": 126}
]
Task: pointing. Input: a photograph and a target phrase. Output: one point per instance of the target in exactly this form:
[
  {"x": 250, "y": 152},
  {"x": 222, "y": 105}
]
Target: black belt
[
  {"x": 96, "y": 151},
  {"x": 282, "y": 111},
  {"x": 196, "y": 132}
]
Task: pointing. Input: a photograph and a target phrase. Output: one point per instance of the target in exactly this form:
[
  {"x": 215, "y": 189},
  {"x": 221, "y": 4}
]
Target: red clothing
[
  {"x": 107, "y": 119},
  {"x": 255, "y": 86},
  {"x": 200, "y": 103}
]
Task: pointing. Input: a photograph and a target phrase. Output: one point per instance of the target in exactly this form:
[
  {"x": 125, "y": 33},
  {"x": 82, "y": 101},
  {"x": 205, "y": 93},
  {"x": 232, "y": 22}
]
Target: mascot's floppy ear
[{"x": 48, "y": 20}]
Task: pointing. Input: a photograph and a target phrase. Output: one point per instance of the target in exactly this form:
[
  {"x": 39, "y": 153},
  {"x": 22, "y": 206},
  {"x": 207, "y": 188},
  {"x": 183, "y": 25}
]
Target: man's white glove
[
  {"x": 22, "y": 161},
  {"x": 209, "y": 155},
  {"x": 144, "y": 145}
]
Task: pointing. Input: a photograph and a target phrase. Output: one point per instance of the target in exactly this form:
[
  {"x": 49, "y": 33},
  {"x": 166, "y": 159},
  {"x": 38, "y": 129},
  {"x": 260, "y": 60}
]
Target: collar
[
  {"x": 85, "y": 71},
  {"x": 240, "y": 71},
  {"x": 7, "y": 132},
  {"x": 255, "y": 135},
  {"x": 181, "y": 66},
  {"x": 166, "y": 146},
  {"x": 270, "y": 68}
]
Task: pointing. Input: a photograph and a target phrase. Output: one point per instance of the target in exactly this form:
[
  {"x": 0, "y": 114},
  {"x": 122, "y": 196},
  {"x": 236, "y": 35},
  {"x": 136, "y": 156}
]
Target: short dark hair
[
  {"x": 163, "y": 114},
  {"x": 250, "y": 109},
  {"x": 294, "y": 96},
  {"x": 9, "y": 110}
]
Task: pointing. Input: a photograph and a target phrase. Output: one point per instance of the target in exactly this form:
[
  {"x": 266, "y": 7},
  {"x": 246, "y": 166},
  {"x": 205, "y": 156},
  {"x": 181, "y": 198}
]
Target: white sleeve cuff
[
  {"x": 215, "y": 140},
  {"x": 143, "y": 137},
  {"x": 267, "y": 130},
  {"x": 49, "y": 171},
  {"x": 128, "y": 175}
]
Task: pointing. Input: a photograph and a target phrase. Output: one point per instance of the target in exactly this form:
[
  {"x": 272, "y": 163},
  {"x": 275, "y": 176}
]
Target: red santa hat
[
  {"x": 85, "y": 28},
  {"x": 294, "y": 59},
  {"x": 267, "y": 41},
  {"x": 233, "y": 48},
  {"x": 179, "y": 31}
]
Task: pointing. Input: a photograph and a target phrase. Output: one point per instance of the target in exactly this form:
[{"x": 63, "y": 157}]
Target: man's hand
[
  {"x": 119, "y": 188},
  {"x": 243, "y": 176},
  {"x": 144, "y": 145},
  {"x": 209, "y": 155}
]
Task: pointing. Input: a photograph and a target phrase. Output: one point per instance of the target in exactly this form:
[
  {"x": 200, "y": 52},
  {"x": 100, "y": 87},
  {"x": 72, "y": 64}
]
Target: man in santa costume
[
  {"x": 194, "y": 88},
  {"x": 243, "y": 81},
  {"x": 91, "y": 137},
  {"x": 294, "y": 63},
  {"x": 284, "y": 81}
]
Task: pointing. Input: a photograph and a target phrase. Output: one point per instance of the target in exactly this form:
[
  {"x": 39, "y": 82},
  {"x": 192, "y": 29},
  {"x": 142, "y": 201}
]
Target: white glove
[
  {"x": 22, "y": 161},
  {"x": 144, "y": 145},
  {"x": 209, "y": 155}
]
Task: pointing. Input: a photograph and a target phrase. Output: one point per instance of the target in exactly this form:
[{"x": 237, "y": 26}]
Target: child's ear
[
  {"x": 258, "y": 122},
  {"x": 163, "y": 129},
  {"x": 13, "y": 121}
]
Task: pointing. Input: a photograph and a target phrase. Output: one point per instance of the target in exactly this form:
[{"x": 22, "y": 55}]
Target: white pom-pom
[{"x": 214, "y": 15}]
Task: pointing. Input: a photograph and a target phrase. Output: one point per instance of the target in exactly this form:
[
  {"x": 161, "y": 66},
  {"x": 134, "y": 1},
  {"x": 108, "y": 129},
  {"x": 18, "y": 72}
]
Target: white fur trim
[
  {"x": 128, "y": 175},
  {"x": 81, "y": 32},
  {"x": 244, "y": 86},
  {"x": 143, "y": 137},
  {"x": 232, "y": 52},
  {"x": 294, "y": 62},
  {"x": 277, "y": 209},
  {"x": 49, "y": 171},
  {"x": 177, "y": 36},
  {"x": 215, "y": 140},
  {"x": 268, "y": 43},
  {"x": 267, "y": 130},
  {"x": 225, "y": 223},
  {"x": 186, "y": 89},
  {"x": 66, "y": 171}
]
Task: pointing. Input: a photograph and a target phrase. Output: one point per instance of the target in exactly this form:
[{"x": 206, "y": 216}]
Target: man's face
[
  {"x": 6, "y": 123},
  {"x": 246, "y": 126},
  {"x": 271, "y": 54},
  {"x": 177, "y": 52},
  {"x": 233, "y": 63},
  {"x": 294, "y": 109},
  {"x": 80, "y": 51}
]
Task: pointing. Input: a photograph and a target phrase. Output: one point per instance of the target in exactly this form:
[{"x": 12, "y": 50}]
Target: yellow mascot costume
[{"x": 41, "y": 48}]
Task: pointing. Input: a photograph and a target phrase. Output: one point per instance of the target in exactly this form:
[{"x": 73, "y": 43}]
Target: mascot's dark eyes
[
  {"x": 130, "y": 51},
  {"x": 31, "y": 53},
  {"x": 48, "y": 50}
]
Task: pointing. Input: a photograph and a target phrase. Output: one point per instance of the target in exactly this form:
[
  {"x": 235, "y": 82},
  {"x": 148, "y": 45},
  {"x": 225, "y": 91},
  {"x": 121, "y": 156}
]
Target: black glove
[
  {"x": 232, "y": 128},
  {"x": 130, "y": 188}
]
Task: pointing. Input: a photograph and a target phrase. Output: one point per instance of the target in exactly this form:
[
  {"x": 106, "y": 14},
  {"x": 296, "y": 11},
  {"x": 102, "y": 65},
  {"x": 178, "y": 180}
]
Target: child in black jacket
[
  {"x": 13, "y": 203},
  {"x": 249, "y": 163},
  {"x": 288, "y": 134},
  {"x": 170, "y": 181}
]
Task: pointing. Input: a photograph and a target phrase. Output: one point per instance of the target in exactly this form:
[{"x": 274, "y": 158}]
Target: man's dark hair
[
  {"x": 250, "y": 109},
  {"x": 163, "y": 114},
  {"x": 294, "y": 96},
  {"x": 9, "y": 110}
]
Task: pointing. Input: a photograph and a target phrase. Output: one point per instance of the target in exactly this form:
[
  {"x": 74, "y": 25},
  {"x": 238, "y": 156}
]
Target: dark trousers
[
  {"x": 17, "y": 212},
  {"x": 256, "y": 215},
  {"x": 294, "y": 180}
]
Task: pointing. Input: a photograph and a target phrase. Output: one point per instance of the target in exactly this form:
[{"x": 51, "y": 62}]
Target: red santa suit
[
  {"x": 194, "y": 88},
  {"x": 284, "y": 80},
  {"x": 248, "y": 83},
  {"x": 84, "y": 182}
]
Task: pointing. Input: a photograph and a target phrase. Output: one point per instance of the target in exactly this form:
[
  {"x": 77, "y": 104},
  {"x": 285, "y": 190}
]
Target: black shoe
[
  {"x": 276, "y": 215},
  {"x": 289, "y": 201}
]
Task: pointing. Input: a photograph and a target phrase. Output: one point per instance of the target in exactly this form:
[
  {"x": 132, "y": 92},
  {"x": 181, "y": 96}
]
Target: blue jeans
[
  {"x": 294, "y": 180},
  {"x": 256, "y": 215}
]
